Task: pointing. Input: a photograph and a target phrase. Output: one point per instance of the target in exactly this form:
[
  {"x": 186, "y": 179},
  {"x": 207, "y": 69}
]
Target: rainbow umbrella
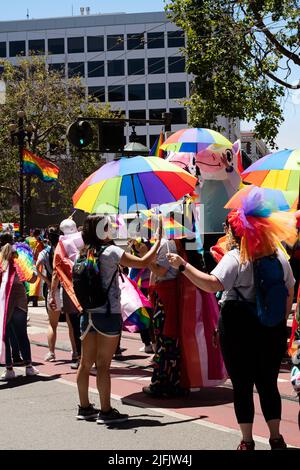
[
  {"x": 279, "y": 170},
  {"x": 279, "y": 200},
  {"x": 132, "y": 184},
  {"x": 194, "y": 140}
]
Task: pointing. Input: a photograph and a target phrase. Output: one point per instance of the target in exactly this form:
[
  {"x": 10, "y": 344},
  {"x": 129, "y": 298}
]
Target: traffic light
[
  {"x": 111, "y": 136},
  {"x": 80, "y": 134}
]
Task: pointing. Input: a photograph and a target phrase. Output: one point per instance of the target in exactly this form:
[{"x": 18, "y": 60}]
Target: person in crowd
[
  {"x": 142, "y": 278},
  {"x": 36, "y": 244},
  {"x": 65, "y": 254},
  {"x": 101, "y": 327},
  {"x": 45, "y": 261},
  {"x": 13, "y": 309},
  {"x": 252, "y": 351},
  {"x": 165, "y": 381}
]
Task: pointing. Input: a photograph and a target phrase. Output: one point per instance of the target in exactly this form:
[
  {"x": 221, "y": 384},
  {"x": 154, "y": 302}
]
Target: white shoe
[
  {"x": 147, "y": 349},
  {"x": 50, "y": 357},
  {"x": 31, "y": 371},
  {"x": 8, "y": 374}
]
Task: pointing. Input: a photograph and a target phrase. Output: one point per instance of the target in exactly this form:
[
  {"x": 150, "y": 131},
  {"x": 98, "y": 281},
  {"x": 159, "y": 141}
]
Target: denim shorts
[{"x": 110, "y": 325}]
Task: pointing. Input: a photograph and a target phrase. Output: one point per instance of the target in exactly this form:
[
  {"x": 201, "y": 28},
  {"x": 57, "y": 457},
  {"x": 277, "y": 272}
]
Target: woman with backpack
[
  {"x": 101, "y": 326},
  {"x": 45, "y": 260},
  {"x": 252, "y": 345}
]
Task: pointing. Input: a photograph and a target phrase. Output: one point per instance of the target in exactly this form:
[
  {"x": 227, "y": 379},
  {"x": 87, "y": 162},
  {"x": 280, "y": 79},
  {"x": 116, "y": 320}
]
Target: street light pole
[{"x": 21, "y": 137}]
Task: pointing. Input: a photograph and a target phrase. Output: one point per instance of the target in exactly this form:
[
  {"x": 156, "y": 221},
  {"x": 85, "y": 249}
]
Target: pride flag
[
  {"x": 34, "y": 165},
  {"x": 155, "y": 151}
]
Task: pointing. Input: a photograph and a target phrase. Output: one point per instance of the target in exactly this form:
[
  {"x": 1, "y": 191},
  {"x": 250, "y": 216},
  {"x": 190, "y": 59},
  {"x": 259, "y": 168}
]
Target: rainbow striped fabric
[
  {"x": 155, "y": 151},
  {"x": 34, "y": 165}
]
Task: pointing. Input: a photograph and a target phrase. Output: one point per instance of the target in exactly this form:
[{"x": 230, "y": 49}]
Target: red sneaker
[
  {"x": 243, "y": 445},
  {"x": 277, "y": 443}
]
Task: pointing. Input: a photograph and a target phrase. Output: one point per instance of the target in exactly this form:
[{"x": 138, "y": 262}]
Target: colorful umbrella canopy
[
  {"x": 279, "y": 170},
  {"x": 132, "y": 184},
  {"x": 194, "y": 140},
  {"x": 279, "y": 200}
]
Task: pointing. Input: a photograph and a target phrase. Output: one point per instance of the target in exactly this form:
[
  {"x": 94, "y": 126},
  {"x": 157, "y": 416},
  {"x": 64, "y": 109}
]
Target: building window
[
  {"x": 178, "y": 115},
  {"x": 37, "y": 46},
  {"x": 176, "y": 64},
  {"x": 96, "y": 69},
  {"x": 2, "y": 49},
  {"x": 17, "y": 48},
  {"x": 156, "y": 40},
  {"x": 56, "y": 46},
  {"x": 75, "y": 69},
  {"x": 57, "y": 68},
  {"x": 157, "y": 91},
  {"x": 136, "y": 92},
  {"x": 136, "y": 66},
  {"x": 95, "y": 43},
  {"x": 97, "y": 92},
  {"x": 177, "y": 90},
  {"x": 156, "y": 113},
  {"x": 115, "y": 68},
  {"x": 116, "y": 93},
  {"x": 152, "y": 140},
  {"x": 156, "y": 65},
  {"x": 135, "y": 41},
  {"x": 248, "y": 148},
  {"x": 75, "y": 45},
  {"x": 137, "y": 114},
  {"x": 176, "y": 39},
  {"x": 115, "y": 42},
  {"x": 142, "y": 139}
]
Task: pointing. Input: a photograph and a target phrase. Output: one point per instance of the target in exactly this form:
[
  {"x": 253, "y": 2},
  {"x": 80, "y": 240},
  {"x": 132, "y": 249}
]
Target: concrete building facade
[{"x": 132, "y": 61}]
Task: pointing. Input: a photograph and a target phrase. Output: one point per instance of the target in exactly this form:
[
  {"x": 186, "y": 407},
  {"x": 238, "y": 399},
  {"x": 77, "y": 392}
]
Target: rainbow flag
[
  {"x": 34, "y": 165},
  {"x": 155, "y": 151}
]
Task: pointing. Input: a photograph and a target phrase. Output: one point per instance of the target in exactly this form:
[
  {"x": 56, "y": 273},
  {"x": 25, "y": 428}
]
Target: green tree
[
  {"x": 50, "y": 103},
  {"x": 243, "y": 54}
]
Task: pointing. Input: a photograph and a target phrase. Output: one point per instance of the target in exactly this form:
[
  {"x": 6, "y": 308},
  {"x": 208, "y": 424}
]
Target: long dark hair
[
  {"x": 6, "y": 241},
  {"x": 93, "y": 228}
]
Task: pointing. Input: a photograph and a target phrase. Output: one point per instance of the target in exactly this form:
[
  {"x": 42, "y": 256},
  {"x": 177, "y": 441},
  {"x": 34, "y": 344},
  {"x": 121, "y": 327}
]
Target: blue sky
[{"x": 289, "y": 133}]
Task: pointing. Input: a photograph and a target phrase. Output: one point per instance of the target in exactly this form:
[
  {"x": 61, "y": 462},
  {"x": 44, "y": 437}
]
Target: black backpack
[{"x": 87, "y": 281}]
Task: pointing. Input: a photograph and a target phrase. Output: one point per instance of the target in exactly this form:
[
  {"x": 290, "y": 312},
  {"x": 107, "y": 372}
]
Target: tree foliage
[
  {"x": 50, "y": 103},
  {"x": 243, "y": 54}
]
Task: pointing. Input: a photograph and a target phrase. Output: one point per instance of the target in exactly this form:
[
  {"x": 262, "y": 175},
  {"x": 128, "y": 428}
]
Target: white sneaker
[
  {"x": 31, "y": 370},
  {"x": 8, "y": 374},
  {"x": 147, "y": 349},
  {"x": 50, "y": 357}
]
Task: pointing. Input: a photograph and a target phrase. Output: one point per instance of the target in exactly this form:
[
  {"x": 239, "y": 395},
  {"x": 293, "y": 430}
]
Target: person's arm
[
  {"x": 206, "y": 282},
  {"x": 132, "y": 261},
  {"x": 289, "y": 302},
  {"x": 40, "y": 273},
  {"x": 54, "y": 286}
]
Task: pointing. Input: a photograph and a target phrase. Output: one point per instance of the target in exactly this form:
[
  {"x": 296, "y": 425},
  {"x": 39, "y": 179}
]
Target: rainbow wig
[{"x": 259, "y": 229}]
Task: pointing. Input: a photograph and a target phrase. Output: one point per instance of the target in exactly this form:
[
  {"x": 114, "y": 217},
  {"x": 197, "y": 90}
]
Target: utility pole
[{"x": 21, "y": 138}]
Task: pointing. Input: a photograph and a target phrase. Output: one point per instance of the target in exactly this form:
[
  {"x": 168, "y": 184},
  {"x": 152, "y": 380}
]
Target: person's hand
[
  {"x": 52, "y": 302},
  {"x": 215, "y": 338},
  {"x": 33, "y": 278},
  {"x": 175, "y": 260},
  {"x": 158, "y": 234}
]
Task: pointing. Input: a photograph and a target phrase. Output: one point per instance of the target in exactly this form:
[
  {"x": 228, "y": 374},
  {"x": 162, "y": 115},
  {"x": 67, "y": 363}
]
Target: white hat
[{"x": 68, "y": 226}]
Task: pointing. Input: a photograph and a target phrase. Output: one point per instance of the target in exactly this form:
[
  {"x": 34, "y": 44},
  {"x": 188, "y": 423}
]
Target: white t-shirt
[
  {"x": 232, "y": 274},
  {"x": 109, "y": 263}
]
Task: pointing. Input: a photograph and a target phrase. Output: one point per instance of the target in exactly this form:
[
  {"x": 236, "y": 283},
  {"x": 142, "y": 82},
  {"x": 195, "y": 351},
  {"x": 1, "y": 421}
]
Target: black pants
[{"x": 252, "y": 354}]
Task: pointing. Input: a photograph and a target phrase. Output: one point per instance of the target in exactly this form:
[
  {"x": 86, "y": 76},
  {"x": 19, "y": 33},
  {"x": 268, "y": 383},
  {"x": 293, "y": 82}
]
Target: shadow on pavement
[
  {"x": 129, "y": 357},
  {"x": 24, "y": 380},
  {"x": 210, "y": 396},
  {"x": 137, "y": 422}
]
